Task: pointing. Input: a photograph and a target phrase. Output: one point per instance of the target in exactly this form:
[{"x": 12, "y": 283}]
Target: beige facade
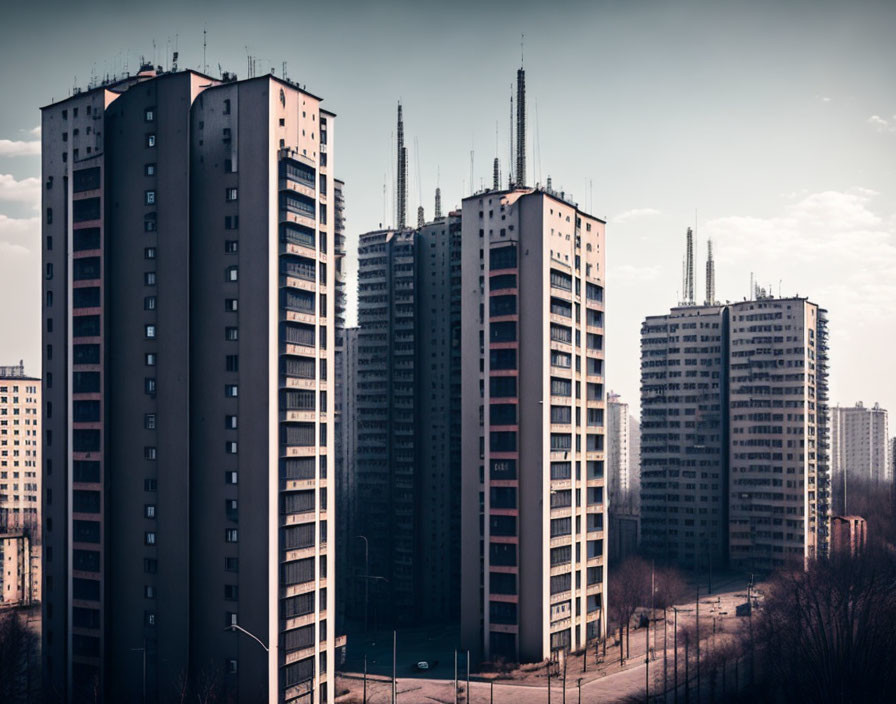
[
  {"x": 860, "y": 442},
  {"x": 779, "y": 474},
  {"x": 533, "y": 572},
  {"x": 20, "y": 485},
  {"x": 734, "y": 421}
]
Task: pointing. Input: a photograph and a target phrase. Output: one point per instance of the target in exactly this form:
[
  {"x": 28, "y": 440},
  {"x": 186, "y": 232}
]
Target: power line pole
[{"x": 394, "y": 661}]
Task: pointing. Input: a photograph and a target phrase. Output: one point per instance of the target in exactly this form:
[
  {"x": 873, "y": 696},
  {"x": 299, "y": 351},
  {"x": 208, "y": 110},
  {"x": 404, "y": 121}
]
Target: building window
[
  {"x": 149, "y": 510},
  {"x": 149, "y": 538},
  {"x": 150, "y": 140},
  {"x": 231, "y": 247},
  {"x": 150, "y": 485},
  {"x": 149, "y": 592},
  {"x": 231, "y": 478},
  {"x": 227, "y": 106},
  {"x": 149, "y": 114},
  {"x": 150, "y": 359},
  {"x": 230, "y": 422},
  {"x": 231, "y": 194},
  {"x": 149, "y": 421},
  {"x": 231, "y": 305},
  {"x": 49, "y": 216},
  {"x": 231, "y": 390},
  {"x": 231, "y": 334},
  {"x": 149, "y": 278},
  {"x": 150, "y": 198},
  {"x": 149, "y": 169},
  {"x": 230, "y": 447},
  {"x": 232, "y": 363},
  {"x": 150, "y": 332},
  {"x": 233, "y": 273},
  {"x": 149, "y": 303},
  {"x": 232, "y": 666},
  {"x": 231, "y": 222},
  {"x": 149, "y": 253},
  {"x": 231, "y": 535},
  {"x": 149, "y": 453},
  {"x": 149, "y": 386}
]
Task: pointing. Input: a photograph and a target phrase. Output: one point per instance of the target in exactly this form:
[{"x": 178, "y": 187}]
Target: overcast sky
[{"x": 773, "y": 124}]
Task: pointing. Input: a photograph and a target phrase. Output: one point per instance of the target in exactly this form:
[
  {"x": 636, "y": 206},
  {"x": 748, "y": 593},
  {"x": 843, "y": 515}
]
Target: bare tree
[
  {"x": 18, "y": 658},
  {"x": 826, "y": 634},
  {"x": 671, "y": 589},
  {"x": 629, "y": 588}
]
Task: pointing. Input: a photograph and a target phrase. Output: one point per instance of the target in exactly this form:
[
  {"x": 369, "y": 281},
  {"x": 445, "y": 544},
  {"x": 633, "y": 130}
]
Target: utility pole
[
  {"x": 675, "y": 648},
  {"x": 565, "y": 660},
  {"x": 365, "y": 678},
  {"x": 455, "y": 677},
  {"x": 647, "y": 665},
  {"x": 394, "y": 661},
  {"x": 698, "y": 642},
  {"x": 665, "y": 651},
  {"x": 468, "y": 677},
  {"x": 491, "y": 692},
  {"x": 550, "y": 662}
]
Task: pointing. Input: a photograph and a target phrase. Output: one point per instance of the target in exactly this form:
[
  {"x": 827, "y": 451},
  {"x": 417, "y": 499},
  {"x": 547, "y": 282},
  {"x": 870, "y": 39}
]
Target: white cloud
[
  {"x": 631, "y": 273},
  {"x": 34, "y": 131},
  {"x": 831, "y": 246},
  {"x": 20, "y": 232},
  {"x": 9, "y": 147},
  {"x": 630, "y": 215},
  {"x": 882, "y": 125},
  {"x": 25, "y": 191}
]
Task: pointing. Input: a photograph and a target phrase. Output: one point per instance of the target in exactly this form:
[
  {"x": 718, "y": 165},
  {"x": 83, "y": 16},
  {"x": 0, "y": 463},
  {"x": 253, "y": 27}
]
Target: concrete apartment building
[
  {"x": 408, "y": 419},
  {"x": 860, "y": 443},
  {"x": 188, "y": 337},
  {"x": 532, "y": 306},
  {"x": 849, "y": 535},
  {"x": 734, "y": 434},
  {"x": 684, "y": 464},
  {"x": 619, "y": 478},
  {"x": 20, "y": 486}
]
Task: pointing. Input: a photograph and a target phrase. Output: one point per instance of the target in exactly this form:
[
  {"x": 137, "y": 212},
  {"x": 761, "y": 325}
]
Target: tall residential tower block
[
  {"x": 734, "y": 434},
  {"x": 189, "y": 330},
  {"x": 532, "y": 368}
]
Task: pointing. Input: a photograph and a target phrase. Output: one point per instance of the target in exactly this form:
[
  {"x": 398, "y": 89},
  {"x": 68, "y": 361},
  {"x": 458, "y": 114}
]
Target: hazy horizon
[{"x": 770, "y": 127}]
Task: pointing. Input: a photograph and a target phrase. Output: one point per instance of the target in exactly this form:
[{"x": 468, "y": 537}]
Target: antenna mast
[
  {"x": 521, "y": 127},
  {"x": 710, "y": 275},
  {"x": 402, "y": 169},
  {"x": 204, "y": 45}
]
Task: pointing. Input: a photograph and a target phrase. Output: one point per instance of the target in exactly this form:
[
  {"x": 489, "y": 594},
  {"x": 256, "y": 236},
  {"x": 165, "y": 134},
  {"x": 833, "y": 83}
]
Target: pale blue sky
[{"x": 774, "y": 121}]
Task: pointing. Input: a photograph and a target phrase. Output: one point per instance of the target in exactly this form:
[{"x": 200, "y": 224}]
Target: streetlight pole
[
  {"x": 394, "y": 660},
  {"x": 143, "y": 651},
  {"x": 366, "y": 577},
  {"x": 675, "y": 649}
]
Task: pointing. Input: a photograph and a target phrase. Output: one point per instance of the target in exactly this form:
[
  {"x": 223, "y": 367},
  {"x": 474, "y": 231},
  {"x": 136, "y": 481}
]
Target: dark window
[
  {"x": 502, "y": 386},
  {"x": 86, "y": 382},
  {"x": 503, "y": 258},
  {"x": 86, "y": 560},
  {"x": 85, "y": 471},
  {"x": 503, "y": 469},
  {"x": 86, "y": 411},
  {"x": 502, "y": 358},
  {"x": 502, "y": 281},
  {"x": 86, "y": 297},
  {"x": 503, "y": 332},
  {"x": 502, "y": 305},
  {"x": 561, "y": 280},
  {"x": 561, "y": 414},
  {"x": 502, "y": 612},
  {"x": 86, "y": 209},
  {"x": 502, "y": 525},
  {"x": 502, "y": 441},
  {"x": 561, "y": 387},
  {"x": 86, "y": 531},
  {"x": 85, "y": 501},
  {"x": 86, "y": 180},
  {"x": 502, "y": 414},
  {"x": 86, "y": 354},
  {"x": 502, "y": 583},
  {"x": 85, "y": 589},
  {"x": 502, "y": 554},
  {"x": 502, "y": 497},
  {"x": 86, "y": 268},
  {"x": 85, "y": 325}
]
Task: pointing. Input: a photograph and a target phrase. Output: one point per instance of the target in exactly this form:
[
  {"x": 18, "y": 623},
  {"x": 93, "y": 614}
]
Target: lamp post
[{"x": 366, "y": 577}]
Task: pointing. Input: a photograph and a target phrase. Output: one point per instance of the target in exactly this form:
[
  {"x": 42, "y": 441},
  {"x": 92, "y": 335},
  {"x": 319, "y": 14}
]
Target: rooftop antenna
[
  {"x": 710, "y": 275},
  {"x": 204, "y": 46},
  {"x": 402, "y": 172},
  {"x": 438, "y": 210},
  {"x": 590, "y": 195},
  {"x": 511, "y": 164},
  {"x": 384, "y": 199},
  {"x": 521, "y": 126}
]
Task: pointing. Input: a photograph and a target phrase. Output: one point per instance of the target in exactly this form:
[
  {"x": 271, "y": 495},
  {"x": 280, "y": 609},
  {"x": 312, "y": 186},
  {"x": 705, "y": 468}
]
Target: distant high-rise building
[
  {"x": 407, "y": 483},
  {"x": 634, "y": 452},
  {"x": 532, "y": 313},
  {"x": 734, "y": 423},
  {"x": 860, "y": 443},
  {"x": 618, "y": 472},
  {"x": 20, "y": 486},
  {"x": 189, "y": 243}
]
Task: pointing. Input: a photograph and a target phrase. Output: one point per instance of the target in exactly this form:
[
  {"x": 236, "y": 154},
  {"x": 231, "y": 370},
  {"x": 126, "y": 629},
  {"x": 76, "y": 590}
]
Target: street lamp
[{"x": 234, "y": 627}]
